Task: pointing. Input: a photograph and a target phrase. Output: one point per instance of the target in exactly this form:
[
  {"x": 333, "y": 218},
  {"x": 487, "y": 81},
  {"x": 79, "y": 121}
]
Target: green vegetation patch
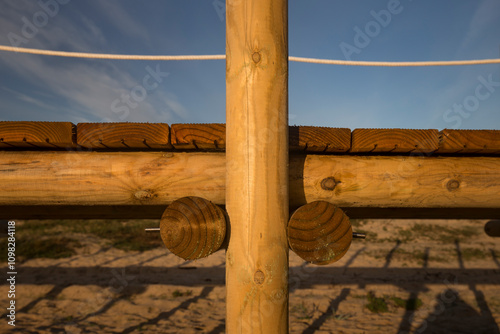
[
  {"x": 35, "y": 248},
  {"x": 124, "y": 235},
  {"x": 473, "y": 254},
  {"x": 52, "y": 238},
  {"x": 302, "y": 311},
  {"x": 382, "y": 304},
  {"x": 376, "y": 304},
  {"x": 179, "y": 293},
  {"x": 444, "y": 234},
  {"x": 411, "y": 304}
]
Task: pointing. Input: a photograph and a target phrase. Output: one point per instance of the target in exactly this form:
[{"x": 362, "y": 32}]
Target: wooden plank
[
  {"x": 394, "y": 141},
  {"x": 469, "y": 141},
  {"x": 123, "y": 135},
  {"x": 37, "y": 134},
  {"x": 319, "y": 139},
  {"x": 51, "y": 180},
  {"x": 301, "y": 138},
  {"x": 257, "y": 172},
  {"x": 198, "y": 136}
]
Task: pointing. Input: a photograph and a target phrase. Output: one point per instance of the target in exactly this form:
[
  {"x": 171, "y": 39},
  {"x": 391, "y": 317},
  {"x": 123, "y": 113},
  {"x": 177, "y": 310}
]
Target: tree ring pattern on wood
[
  {"x": 319, "y": 232},
  {"x": 193, "y": 227}
]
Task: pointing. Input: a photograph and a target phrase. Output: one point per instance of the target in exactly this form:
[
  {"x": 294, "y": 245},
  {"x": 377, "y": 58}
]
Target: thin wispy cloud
[
  {"x": 122, "y": 20},
  {"x": 83, "y": 89},
  {"x": 97, "y": 90}
]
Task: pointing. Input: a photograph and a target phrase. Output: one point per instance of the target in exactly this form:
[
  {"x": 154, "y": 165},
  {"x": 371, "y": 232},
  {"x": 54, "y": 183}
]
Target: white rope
[
  {"x": 211, "y": 57},
  {"x": 106, "y": 56},
  {"x": 395, "y": 64}
]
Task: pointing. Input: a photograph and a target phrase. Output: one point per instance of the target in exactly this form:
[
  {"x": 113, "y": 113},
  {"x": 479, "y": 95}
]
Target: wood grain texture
[
  {"x": 198, "y": 136},
  {"x": 394, "y": 141},
  {"x": 396, "y": 181},
  {"x": 469, "y": 141},
  {"x": 193, "y": 227},
  {"x": 37, "y": 135},
  {"x": 123, "y": 135},
  {"x": 139, "y": 179},
  {"x": 109, "y": 178},
  {"x": 301, "y": 138},
  {"x": 257, "y": 172},
  {"x": 319, "y": 139},
  {"x": 319, "y": 232}
]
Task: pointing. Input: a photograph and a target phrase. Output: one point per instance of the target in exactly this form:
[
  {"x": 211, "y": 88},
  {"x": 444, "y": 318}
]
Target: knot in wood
[
  {"x": 328, "y": 183},
  {"x": 256, "y": 57},
  {"x": 453, "y": 185},
  {"x": 143, "y": 194},
  {"x": 259, "y": 277}
]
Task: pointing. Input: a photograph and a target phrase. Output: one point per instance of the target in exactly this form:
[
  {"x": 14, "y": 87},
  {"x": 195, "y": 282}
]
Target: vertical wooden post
[{"x": 257, "y": 165}]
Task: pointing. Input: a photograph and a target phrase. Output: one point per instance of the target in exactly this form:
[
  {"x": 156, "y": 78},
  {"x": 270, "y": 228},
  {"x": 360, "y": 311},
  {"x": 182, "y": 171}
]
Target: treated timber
[
  {"x": 256, "y": 170},
  {"x": 141, "y": 184},
  {"x": 394, "y": 141},
  {"x": 198, "y": 136},
  {"x": 492, "y": 228},
  {"x": 301, "y": 138},
  {"x": 319, "y": 139},
  {"x": 212, "y": 136},
  {"x": 193, "y": 227},
  {"x": 469, "y": 141},
  {"x": 37, "y": 135},
  {"x": 123, "y": 135},
  {"x": 109, "y": 178},
  {"x": 319, "y": 232}
]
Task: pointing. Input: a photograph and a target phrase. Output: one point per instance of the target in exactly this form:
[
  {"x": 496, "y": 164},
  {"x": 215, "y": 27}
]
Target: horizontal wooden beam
[
  {"x": 394, "y": 141},
  {"x": 212, "y": 137},
  {"x": 123, "y": 135},
  {"x": 199, "y": 136},
  {"x": 37, "y": 135},
  {"x": 301, "y": 138},
  {"x": 43, "y": 184},
  {"x": 319, "y": 139},
  {"x": 469, "y": 141}
]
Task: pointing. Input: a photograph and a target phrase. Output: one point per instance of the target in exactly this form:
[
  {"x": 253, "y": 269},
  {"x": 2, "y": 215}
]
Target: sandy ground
[{"x": 105, "y": 290}]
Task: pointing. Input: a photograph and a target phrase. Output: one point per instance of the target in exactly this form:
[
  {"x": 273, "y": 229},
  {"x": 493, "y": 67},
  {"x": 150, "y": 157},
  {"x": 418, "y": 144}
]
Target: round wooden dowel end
[
  {"x": 193, "y": 227},
  {"x": 319, "y": 232},
  {"x": 492, "y": 228}
]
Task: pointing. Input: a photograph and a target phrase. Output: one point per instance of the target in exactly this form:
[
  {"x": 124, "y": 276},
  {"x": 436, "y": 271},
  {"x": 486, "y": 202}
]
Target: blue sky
[{"x": 41, "y": 88}]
